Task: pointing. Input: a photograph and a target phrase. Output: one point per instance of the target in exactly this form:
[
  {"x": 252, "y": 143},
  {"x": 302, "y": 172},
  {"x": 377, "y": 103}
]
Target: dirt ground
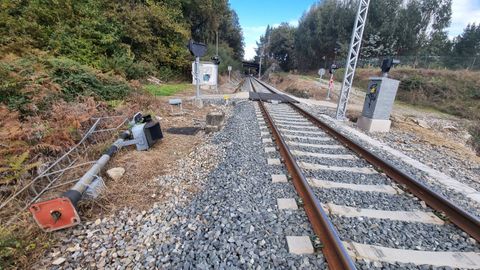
[{"x": 145, "y": 166}]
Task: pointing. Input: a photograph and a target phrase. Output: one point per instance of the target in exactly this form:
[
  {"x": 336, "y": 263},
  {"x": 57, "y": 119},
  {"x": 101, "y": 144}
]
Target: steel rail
[
  {"x": 335, "y": 253},
  {"x": 464, "y": 220}
]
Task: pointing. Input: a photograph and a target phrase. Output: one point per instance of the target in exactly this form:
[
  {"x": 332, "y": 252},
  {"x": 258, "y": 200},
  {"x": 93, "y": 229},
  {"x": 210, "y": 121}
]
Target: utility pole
[
  {"x": 197, "y": 77},
  {"x": 216, "y": 54},
  {"x": 261, "y": 57},
  {"x": 353, "y": 54},
  {"x": 260, "y": 67}
]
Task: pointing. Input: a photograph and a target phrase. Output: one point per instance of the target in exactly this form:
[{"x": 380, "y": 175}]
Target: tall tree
[
  {"x": 468, "y": 43},
  {"x": 323, "y": 30},
  {"x": 281, "y": 46}
]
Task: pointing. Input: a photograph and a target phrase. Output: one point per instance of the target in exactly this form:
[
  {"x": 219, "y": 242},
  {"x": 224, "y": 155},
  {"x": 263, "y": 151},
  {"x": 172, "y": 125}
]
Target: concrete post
[{"x": 197, "y": 76}]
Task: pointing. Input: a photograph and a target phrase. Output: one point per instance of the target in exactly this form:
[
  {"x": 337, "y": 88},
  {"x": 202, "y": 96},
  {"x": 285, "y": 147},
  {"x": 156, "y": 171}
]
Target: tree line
[
  {"x": 393, "y": 28},
  {"x": 131, "y": 37}
]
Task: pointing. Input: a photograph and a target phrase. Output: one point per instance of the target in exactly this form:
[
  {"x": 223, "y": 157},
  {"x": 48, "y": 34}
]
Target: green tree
[
  {"x": 468, "y": 43},
  {"x": 323, "y": 30},
  {"x": 281, "y": 46}
]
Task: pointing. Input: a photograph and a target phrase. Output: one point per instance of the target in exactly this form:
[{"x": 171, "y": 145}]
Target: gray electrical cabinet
[
  {"x": 378, "y": 104},
  {"x": 379, "y": 99}
]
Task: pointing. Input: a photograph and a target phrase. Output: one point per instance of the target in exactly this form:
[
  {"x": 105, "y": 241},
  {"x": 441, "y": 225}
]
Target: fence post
[{"x": 473, "y": 63}]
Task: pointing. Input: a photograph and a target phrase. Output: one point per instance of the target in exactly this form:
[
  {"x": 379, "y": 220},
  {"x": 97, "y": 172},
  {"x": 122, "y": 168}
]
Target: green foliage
[
  {"x": 166, "y": 89},
  {"x": 468, "y": 43},
  {"x": 78, "y": 80},
  {"x": 394, "y": 27},
  {"x": 134, "y": 39},
  {"x": 11, "y": 86},
  {"x": 282, "y": 47},
  {"x": 16, "y": 168},
  {"x": 226, "y": 55},
  {"x": 206, "y": 17},
  {"x": 9, "y": 246}
]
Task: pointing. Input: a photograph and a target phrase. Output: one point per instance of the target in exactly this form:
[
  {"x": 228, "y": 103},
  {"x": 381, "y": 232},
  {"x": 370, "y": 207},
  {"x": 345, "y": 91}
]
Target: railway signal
[
  {"x": 198, "y": 50},
  {"x": 61, "y": 212}
]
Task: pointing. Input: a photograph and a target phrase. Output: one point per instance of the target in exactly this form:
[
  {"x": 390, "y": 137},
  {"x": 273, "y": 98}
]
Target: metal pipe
[{"x": 76, "y": 192}]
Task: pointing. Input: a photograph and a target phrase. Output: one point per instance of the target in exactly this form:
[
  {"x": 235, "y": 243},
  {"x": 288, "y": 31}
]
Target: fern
[{"x": 16, "y": 167}]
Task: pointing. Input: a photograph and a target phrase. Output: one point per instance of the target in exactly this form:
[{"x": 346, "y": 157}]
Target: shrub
[
  {"x": 11, "y": 93},
  {"x": 139, "y": 70},
  {"x": 78, "y": 80}
]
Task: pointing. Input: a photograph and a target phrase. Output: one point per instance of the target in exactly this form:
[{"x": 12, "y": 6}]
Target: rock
[
  {"x": 209, "y": 129},
  {"x": 116, "y": 173},
  {"x": 215, "y": 118},
  {"x": 424, "y": 205},
  {"x": 450, "y": 128},
  {"x": 421, "y": 123},
  {"x": 59, "y": 261}
]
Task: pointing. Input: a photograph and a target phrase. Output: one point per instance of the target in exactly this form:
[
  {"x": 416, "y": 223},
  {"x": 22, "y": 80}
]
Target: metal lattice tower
[{"x": 353, "y": 55}]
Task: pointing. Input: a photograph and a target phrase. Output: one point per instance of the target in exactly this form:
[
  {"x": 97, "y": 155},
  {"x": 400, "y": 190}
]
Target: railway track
[{"x": 366, "y": 212}]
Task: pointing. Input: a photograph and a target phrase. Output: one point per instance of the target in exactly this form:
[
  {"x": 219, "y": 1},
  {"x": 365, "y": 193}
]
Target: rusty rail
[
  {"x": 335, "y": 253},
  {"x": 464, "y": 220}
]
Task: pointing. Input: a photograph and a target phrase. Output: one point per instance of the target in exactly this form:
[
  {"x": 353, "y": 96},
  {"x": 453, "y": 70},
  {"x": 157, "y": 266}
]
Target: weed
[
  {"x": 9, "y": 246},
  {"x": 15, "y": 168}
]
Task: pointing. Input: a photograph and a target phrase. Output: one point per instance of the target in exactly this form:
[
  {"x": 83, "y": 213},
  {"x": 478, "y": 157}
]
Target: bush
[
  {"x": 11, "y": 93},
  {"x": 139, "y": 70},
  {"x": 78, "y": 80},
  {"x": 123, "y": 63}
]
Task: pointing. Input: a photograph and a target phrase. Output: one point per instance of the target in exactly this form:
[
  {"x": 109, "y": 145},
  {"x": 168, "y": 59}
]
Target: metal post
[
  {"x": 216, "y": 54},
  {"x": 197, "y": 76},
  {"x": 330, "y": 87},
  {"x": 260, "y": 68},
  {"x": 353, "y": 54},
  {"x": 473, "y": 63}
]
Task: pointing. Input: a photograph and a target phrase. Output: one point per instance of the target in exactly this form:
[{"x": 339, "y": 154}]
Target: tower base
[{"x": 374, "y": 125}]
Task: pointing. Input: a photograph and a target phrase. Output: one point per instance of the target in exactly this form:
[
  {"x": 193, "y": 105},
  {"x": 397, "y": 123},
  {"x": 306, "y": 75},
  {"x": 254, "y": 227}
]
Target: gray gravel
[
  {"x": 404, "y": 235},
  {"x": 464, "y": 171},
  {"x": 348, "y": 177},
  {"x": 371, "y": 200}
]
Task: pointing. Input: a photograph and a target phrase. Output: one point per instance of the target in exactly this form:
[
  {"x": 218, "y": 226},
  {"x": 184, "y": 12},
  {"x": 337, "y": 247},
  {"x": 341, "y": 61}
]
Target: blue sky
[{"x": 256, "y": 15}]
